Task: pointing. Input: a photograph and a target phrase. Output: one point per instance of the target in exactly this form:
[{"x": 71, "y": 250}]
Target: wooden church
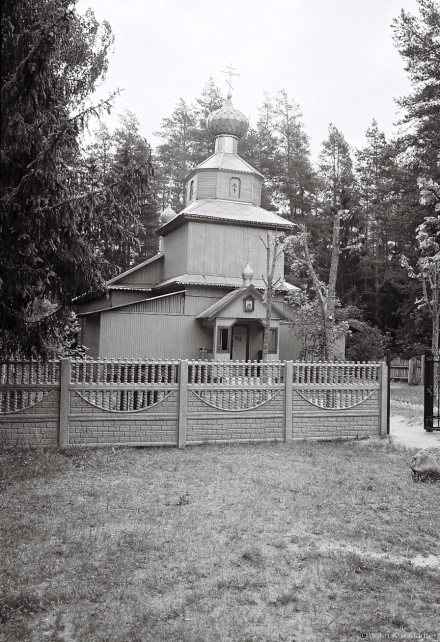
[{"x": 201, "y": 296}]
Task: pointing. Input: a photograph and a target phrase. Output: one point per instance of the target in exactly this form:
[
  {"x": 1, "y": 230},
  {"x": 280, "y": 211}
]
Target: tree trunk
[
  {"x": 329, "y": 321},
  {"x": 271, "y": 258},
  {"x": 326, "y": 297}
]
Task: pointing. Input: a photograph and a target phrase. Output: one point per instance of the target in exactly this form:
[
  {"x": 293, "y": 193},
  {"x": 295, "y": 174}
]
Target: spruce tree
[{"x": 54, "y": 216}]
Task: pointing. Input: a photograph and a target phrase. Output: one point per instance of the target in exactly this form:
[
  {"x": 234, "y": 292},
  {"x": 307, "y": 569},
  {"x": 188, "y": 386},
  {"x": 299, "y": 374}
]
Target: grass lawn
[
  {"x": 271, "y": 542},
  {"x": 404, "y": 392}
]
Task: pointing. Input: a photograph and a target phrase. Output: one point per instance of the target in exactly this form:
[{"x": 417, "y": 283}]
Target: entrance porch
[{"x": 238, "y": 322}]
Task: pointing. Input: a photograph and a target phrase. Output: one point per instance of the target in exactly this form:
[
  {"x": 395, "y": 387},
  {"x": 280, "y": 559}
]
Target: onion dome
[
  {"x": 227, "y": 121},
  {"x": 247, "y": 275},
  {"x": 167, "y": 214}
]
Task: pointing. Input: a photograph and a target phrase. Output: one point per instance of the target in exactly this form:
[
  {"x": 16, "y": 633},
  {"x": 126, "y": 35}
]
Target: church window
[
  {"x": 191, "y": 191},
  {"x": 234, "y": 187}
]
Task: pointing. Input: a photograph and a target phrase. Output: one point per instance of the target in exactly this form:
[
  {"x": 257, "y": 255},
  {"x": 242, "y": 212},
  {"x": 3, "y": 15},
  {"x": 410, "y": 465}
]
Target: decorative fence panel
[
  {"x": 174, "y": 403},
  {"x": 236, "y": 401},
  {"x": 29, "y": 403},
  {"x": 344, "y": 400},
  {"x": 123, "y": 402}
]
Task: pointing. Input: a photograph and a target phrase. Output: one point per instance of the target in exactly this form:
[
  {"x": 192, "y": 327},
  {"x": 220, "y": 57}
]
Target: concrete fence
[{"x": 178, "y": 403}]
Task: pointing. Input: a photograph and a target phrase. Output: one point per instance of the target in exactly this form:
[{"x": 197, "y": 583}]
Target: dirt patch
[
  {"x": 421, "y": 561},
  {"x": 411, "y": 434}
]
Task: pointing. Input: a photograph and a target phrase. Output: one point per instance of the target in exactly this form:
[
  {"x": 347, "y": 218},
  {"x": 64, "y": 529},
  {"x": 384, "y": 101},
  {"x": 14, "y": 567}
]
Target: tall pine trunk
[
  {"x": 326, "y": 295},
  {"x": 272, "y": 245}
]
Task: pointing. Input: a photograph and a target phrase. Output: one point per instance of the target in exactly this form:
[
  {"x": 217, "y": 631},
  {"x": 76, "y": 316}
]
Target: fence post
[
  {"x": 428, "y": 413},
  {"x": 412, "y": 371},
  {"x": 384, "y": 422},
  {"x": 288, "y": 400},
  {"x": 63, "y": 434},
  {"x": 388, "y": 390},
  {"x": 183, "y": 403}
]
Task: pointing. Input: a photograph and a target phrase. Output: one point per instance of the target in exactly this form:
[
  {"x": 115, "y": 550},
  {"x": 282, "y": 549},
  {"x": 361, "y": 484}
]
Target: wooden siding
[
  {"x": 236, "y": 311},
  {"x": 116, "y": 297},
  {"x": 215, "y": 184},
  {"x": 168, "y": 304},
  {"x": 197, "y": 303},
  {"x": 148, "y": 274},
  {"x": 256, "y": 191},
  {"x": 285, "y": 307},
  {"x": 221, "y": 250},
  {"x": 90, "y": 334},
  {"x": 212, "y": 292},
  {"x": 121, "y": 297},
  {"x": 175, "y": 248},
  {"x": 223, "y": 186},
  {"x": 95, "y": 305},
  {"x": 138, "y": 335},
  {"x": 207, "y": 184}
]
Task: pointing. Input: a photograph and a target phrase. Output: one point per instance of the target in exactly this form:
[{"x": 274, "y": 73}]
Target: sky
[{"x": 335, "y": 58}]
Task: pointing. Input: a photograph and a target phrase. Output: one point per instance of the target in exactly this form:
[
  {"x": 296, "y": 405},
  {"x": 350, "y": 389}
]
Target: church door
[{"x": 240, "y": 343}]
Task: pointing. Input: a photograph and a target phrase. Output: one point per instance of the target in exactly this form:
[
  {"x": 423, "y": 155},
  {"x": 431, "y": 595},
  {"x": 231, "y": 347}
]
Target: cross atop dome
[
  {"x": 230, "y": 71},
  {"x": 228, "y": 121}
]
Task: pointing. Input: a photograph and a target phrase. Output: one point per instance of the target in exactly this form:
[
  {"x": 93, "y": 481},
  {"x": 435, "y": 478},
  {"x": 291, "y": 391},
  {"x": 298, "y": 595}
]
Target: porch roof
[{"x": 217, "y": 308}]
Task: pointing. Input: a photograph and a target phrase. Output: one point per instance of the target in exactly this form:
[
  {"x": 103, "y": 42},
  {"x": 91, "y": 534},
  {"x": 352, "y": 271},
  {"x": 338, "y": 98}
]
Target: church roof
[
  {"x": 228, "y": 162},
  {"x": 209, "y": 280},
  {"x": 227, "y": 211},
  {"x": 213, "y": 280}
]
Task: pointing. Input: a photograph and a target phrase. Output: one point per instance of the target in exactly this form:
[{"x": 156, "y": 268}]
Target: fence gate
[{"x": 432, "y": 392}]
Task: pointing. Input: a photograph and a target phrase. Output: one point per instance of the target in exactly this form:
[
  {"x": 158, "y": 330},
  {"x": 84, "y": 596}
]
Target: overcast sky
[{"x": 335, "y": 58}]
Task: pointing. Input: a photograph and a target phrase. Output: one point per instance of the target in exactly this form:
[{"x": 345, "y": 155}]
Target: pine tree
[
  {"x": 294, "y": 176},
  {"x": 210, "y": 99},
  {"x": 279, "y": 148},
  {"x": 335, "y": 192},
  {"x": 418, "y": 42},
  {"x": 375, "y": 165},
  {"x": 259, "y": 148},
  {"x": 131, "y": 151},
  {"x": 99, "y": 155},
  {"x": 176, "y": 155}
]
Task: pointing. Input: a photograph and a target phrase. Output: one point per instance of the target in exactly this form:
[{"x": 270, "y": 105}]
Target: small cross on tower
[{"x": 230, "y": 71}]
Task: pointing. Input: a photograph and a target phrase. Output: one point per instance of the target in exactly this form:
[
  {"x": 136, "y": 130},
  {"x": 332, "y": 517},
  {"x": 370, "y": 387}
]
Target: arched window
[
  {"x": 191, "y": 191},
  {"x": 234, "y": 187}
]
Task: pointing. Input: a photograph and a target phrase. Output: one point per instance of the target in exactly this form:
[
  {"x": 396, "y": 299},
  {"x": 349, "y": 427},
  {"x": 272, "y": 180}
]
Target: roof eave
[
  {"x": 133, "y": 269},
  {"x": 188, "y": 216}
]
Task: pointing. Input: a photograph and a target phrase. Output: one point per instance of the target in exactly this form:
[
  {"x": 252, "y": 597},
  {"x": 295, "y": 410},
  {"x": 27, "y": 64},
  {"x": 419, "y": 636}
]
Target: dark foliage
[{"x": 55, "y": 217}]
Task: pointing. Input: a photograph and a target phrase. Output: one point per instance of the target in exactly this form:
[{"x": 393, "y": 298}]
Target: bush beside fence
[{"x": 175, "y": 403}]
